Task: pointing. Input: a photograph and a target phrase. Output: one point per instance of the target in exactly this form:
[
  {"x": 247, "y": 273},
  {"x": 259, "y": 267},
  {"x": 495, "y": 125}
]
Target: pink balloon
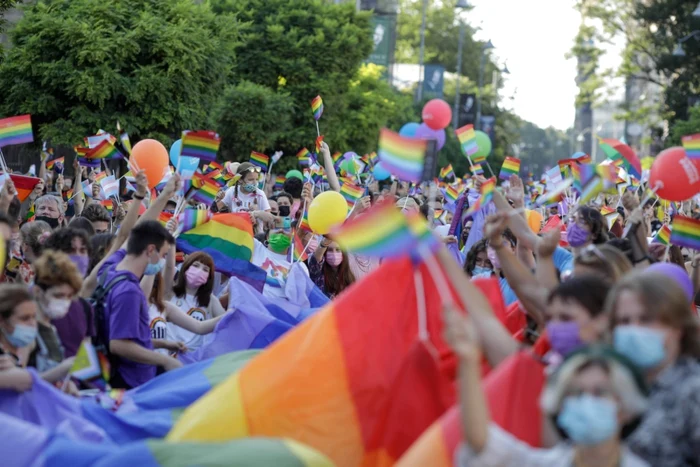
[
  {"x": 437, "y": 114},
  {"x": 677, "y": 176},
  {"x": 425, "y": 132}
]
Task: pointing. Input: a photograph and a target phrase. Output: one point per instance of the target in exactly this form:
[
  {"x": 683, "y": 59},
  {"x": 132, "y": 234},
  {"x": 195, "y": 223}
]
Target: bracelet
[
  {"x": 325, "y": 245},
  {"x": 140, "y": 198}
]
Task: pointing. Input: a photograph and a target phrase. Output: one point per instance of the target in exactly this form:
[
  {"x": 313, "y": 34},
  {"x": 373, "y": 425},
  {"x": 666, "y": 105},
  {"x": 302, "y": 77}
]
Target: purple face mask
[
  {"x": 564, "y": 337},
  {"x": 576, "y": 235},
  {"x": 81, "y": 262}
]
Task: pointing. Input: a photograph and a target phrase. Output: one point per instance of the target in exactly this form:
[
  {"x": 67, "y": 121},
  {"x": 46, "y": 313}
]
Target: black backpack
[{"x": 97, "y": 300}]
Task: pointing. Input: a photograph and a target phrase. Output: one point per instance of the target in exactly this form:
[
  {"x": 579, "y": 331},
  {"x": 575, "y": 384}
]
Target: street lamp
[
  {"x": 461, "y": 5},
  {"x": 679, "y": 51},
  {"x": 484, "y": 48}
]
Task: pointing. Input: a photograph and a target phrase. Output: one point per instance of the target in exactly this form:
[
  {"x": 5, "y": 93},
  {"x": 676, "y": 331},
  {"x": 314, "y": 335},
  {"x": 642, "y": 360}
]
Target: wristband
[{"x": 140, "y": 198}]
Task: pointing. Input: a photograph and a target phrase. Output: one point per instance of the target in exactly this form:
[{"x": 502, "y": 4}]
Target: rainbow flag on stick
[
  {"x": 104, "y": 150},
  {"x": 16, "y": 130},
  {"x": 279, "y": 182},
  {"x": 206, "y": 189},
  {"x": 201, "y": 144},
  {"x": 467, "y": 139},
  {"x": 164, "y": 217},
  {"x": 124, "y": 138},
  {"x": 317, "y": 107},
  {"x": 685, "y": 231},
  {"x": 486, "y": 195},
  {"x": 191, "y": 218},
  {"x": 24, "y": 185},
  {"x": 555, "y": 195},
  {"x": 303, "y": 157},
  {"x": 663, "y": 236},
  {"x": 691, "y": 144},
  {"x": 304, "y": 224},
  {"x": 299, "y": 253},
  {"x": 511, "y": 166},
  {"x": 351, "y": 193},
  {"x": 477, "y": 169},
  {"x": 451, "y": 194},
  {"x": 402, "y": 157},
  {"x": 446, "y": 172},
  {"x": 50, "y": 164},
  {"x": 260, "y": 160}
]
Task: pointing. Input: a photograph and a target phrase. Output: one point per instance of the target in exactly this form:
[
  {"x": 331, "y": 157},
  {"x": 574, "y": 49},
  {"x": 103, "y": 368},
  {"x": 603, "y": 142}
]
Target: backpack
[{"x": 97, "y": 301}]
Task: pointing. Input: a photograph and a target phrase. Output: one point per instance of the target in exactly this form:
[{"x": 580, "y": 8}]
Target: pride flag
[
  {"x": 279, "y": 182},
  {"x": 402, "y": 157},
  {"x": 663, "y": 236},
  {"x": 304, "y": 224},
  {"x": 691, "y": 144},
  {"x": 317, "y": 107},
  {"x": 511, "y": 166},
  {"x": 303, "y": 157},
  {"x": 351, "y": 193},
  {"x": 228, "y": 238},
  {"x": 685, "y": 231},
  {"x": 89, "y": 365},
  {"x": 206, "y": 189},
  {"x": 16, "y": 130},
  {"x": 467, "y": 139},
  {"x": 50, "y": 164},
  {"x": 164, "y": 218},
  {"x": 485, "y": 196},
  {"x": 260, "y": 160},
  {"x": 451, "y": 194},
  {"x": 299, "y": 252},
  {"x": 192, "y": 218},
  {"x": 24, "y": 185},
  {"x": 201, "y": 144},
  {"x": 446, "y": 172},
  {"x": 477, "y": 169},
  {"x": 555, "y": 195},
  {"x": 104, "y": 150},
  {"x": 316, "y": 386}
]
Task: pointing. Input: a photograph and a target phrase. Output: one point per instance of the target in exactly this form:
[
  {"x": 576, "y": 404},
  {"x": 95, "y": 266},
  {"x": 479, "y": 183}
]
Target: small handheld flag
[
  {"x": 685, "y": 231},
  {"x": 555, "y": 195},
  {"x": 303, "y": 157},
  {"x": 201, "y": 144},
  {"x": 691, "y": 144},
  {"x": 486, "y": 195},
  {"x": 259, "y": 159},
  {"x": 16, "y": 130},
  {"x": 446, "y": 172},
  {"x": 663, "y": 236},
  {"x": 317, "y": 107},
  {"x": 511, "y": 166},
  {"x": 467, "y": 139},
  {"x": 351, "y": 193},
  {"x": 402, "y": 157}
]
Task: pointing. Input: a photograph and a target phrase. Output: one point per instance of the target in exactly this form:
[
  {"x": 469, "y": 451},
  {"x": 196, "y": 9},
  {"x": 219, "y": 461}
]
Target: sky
[{"x": 532, "y": 38}]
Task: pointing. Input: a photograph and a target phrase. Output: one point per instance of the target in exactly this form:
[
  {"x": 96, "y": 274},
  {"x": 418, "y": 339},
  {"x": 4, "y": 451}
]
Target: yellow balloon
[{"x": 326, "y": 211}]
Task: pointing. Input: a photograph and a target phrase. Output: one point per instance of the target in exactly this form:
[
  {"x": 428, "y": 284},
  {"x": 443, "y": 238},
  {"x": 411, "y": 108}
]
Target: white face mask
[{"x": 57, "y": 308}]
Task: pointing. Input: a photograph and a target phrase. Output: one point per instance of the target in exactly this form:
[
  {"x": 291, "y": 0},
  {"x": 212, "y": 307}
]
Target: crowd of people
[{"x": 608, "y": 313}]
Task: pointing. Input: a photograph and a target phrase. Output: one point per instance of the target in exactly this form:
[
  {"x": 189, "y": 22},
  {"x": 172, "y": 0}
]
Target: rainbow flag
[
  {"x": 259, "y": 159},
  {"x": 164, "y": 217},
  {"x": 402, "y": 157},
  {"x": 124, "y": 138},
  {"x": 592, "y": 188},
  {"x": 201, "y": 144},
  {"x": 477, "y": 169},
  {"x": 68, "y": 194},
  {"x": 304, "y": 224},
  {"x": 319, "y": 140},
  {"x": 451, "y": 194},
  {"x": 384, "y": 231},
  {"x": 298, "y": 251},
  {"x": 213, "y": 166},
  {"x": 16, "y": 130},
  {"x": 446, "y": 171},
  {"x": 191, "y": 218},
  {"x": 485, "y": 196},
  {"x": 354, "y": 413},
  {"x": 228, "y": 238},
  {"x": 279, "y": 182},
  {"x": 107, "y": 203},
  {"x": 24, "y": 185},
  {"x": 511, "y": 166},
  {"x": 605, "y": 210},
  {"x": 105, "y": 150},
  {"x": 685, "y": 231},
  {"x": 50, "y": 164},
  {"x": 555, "y": 195},
  {"x": 316, "y": 173},
  {"x": 317, "y": 107},
  {"x": 337, "y": 159},
  {"x": 691, "y": 144},
  {"x": 663, "y": 236},
  {"x": 89, "y": 364},
  {"x": 351, "y": 193},
  {"x": 467, "y": 139},
  {"x": 303, "y": 157},
  {"x": 206, "y": 189},
  {"x": 31, "y": 212}
]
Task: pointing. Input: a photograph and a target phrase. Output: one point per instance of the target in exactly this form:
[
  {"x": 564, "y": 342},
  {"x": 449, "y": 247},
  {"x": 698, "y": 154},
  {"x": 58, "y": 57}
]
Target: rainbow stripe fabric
[
  {"x": 605, "y": 210},
  {"x": 24, "y": 185},
  {"x": 107, "y": 203},
  {"x": 50, "y": 164},
  {"x": 104, "y": 150},
  {"x": 303, "y": 157},
  {"x": 299, "y": 253},
  {"x": 446, "y": 172},
  {"x": 206, "y": 189},
  {"x": 317, "y": 107},
  {"x": 511, "y": 166},
  {"x": 260, "y": 160},
  {"x": 663, "y": 236},
  {"x": 351, "y": 193},
  {"x": 477, "y": 169},
  {"x": 201, "y": 144},
  {"x": 164, "y": 217},
  {"x": 16, "y": 130},
  {"x": 467, "y": 139},
  {"x": 485, "y": 196},
  {"x": 451, "y": 194},
  {"x": 279, "y": 182},
  {"x": 685, "y": 231},
  {"x": 192, "y": 218},
  {"x": 319, "y": 141},
  {"x": 555, "y": 195},
  {"x": 691, "y": 144},
  {"x": 402, "y": 157},
  {"x": 304, "y": 224}
]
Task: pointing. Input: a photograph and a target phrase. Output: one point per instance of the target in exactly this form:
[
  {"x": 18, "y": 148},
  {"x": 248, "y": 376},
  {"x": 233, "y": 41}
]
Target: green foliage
[
  {"x": 250, "y": 116},
  {"x": 682, "y": 128},
  {"x": 542, "y": 147},
  {"x": 4, "y": 6},
  {"x": 81, "y": 65}
]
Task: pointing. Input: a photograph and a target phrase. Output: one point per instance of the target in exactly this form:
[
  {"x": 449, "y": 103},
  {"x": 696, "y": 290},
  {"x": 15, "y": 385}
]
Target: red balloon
[
  {"x": 437, "y": 114},
  {"x": 676, "y": 174}
]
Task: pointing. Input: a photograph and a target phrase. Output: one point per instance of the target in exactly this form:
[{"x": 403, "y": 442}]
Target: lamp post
[
  {"x": 679, "y": 51},
  {"x": 461, "y": 5},
  {"x": 484, "y": 48},
  {"x": 421, "y": 52}
]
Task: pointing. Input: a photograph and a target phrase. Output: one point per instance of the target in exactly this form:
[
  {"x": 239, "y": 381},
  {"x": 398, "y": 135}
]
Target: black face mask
[
  {"x": 53, "y": 223},
  {"x": 284, "y": 211}
]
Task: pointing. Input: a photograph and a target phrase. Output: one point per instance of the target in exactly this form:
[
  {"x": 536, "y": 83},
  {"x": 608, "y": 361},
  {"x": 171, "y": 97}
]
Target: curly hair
[
  {"x": 62, "y": 239},
  {"x": 96, "y": 213},
  {"x": 54, "y": 268}
]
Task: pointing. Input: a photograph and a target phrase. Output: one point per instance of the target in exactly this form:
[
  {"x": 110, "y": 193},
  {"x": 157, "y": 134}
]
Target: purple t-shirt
[
  {"x": 75, "y": 326},
  {"x": 126, "y": 313}
]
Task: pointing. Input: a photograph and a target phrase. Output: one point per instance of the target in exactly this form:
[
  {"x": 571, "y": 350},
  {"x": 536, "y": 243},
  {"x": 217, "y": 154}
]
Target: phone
[{"x": 284, "y": 223}]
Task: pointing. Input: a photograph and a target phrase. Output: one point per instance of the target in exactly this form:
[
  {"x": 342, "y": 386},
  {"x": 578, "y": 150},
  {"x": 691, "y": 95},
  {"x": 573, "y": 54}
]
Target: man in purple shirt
[{"x": 126, "y": 307}]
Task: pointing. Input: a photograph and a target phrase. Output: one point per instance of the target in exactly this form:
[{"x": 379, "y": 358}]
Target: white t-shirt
[
  {"x": 244, "y": 201},
  {"x": 276, "y": 266},
  {"x": 189, "y": 305},
  {"x": 159, "y": 326}
]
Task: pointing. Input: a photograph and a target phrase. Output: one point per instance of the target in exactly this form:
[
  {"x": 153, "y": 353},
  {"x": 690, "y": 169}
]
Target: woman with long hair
[{"x": 329, "y": 268}]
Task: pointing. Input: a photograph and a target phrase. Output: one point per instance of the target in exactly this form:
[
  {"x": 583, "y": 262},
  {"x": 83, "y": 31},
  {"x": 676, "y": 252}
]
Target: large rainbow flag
[
  {"x": 338, "y": 382},
  {"x": 16, "y": 130}
]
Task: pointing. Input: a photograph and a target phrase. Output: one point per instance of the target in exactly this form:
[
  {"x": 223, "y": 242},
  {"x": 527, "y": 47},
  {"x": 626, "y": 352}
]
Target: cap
[{"x": 247, "y": 167}]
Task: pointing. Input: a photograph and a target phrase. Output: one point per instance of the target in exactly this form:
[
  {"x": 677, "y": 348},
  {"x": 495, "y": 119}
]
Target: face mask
[
  {"x": 152, "y": 269},
  {"x": 22, "y": 336},
  {"x": 481, "y": 271},
  {"x": 334, "y": 258},
  {"x": 576, "y": 235},
  {"x": 195, "y": 277},
  {"x": 249, "y": 187},
  {"x": 312, "y": 245},
  {"x": 284, "y": 211},
  {"x": 644, "y": 346},
  {"x": 57, "y": 308},
  {"x": 81, "y": 262},
  {"x": 493, "y": 257},
  {"x": 588, "y": 420},
  {"x": 564, "y": 337},
  {"x": 53, "y": 223},
  {"x": 279, "y": 242}
]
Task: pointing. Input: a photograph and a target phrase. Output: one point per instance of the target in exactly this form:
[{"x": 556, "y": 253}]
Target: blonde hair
[{"x": 54, "y": 268}]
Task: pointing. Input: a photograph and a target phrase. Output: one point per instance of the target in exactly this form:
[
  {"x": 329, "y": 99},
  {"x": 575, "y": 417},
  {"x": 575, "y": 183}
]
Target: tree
[
  {"x": 4, "y": 6},
  {"x": 682, "y": 128},
  {"x": 81, "y": 65}
]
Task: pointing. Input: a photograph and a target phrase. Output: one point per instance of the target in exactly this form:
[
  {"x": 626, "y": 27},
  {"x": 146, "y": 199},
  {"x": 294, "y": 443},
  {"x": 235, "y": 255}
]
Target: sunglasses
[{"x": 252, "y": 169}]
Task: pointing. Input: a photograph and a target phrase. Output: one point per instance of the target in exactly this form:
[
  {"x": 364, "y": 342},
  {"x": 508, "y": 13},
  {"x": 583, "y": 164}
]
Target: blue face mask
[
  {"x": 22, "y": 336},
  {"x": 644, "y": 346},
  {"x": 249, "y": 187},
  {"x": 481, "y": 271},
  {"x": 152, "y": 269},
  {"x": 588, "y": 420}
]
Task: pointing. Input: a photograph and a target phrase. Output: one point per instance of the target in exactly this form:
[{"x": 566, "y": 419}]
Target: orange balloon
[{"x": 150, "y": 156}]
